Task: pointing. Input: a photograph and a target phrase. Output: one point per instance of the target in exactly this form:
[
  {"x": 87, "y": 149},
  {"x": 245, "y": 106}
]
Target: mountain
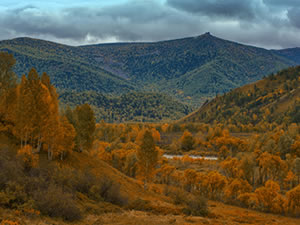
[
  {"x": 272, "y": 99},
  {"x": 189, "y": 69},
  {"x": 65, "y": 65},
  {"x": 129, "y": 107}
]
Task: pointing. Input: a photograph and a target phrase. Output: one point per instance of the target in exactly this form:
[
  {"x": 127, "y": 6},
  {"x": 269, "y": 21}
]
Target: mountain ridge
[{"x": 190, "y": 69}]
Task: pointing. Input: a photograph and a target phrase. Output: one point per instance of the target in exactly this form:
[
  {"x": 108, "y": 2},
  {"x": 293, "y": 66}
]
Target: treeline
[{"x": 130, "y": 107}]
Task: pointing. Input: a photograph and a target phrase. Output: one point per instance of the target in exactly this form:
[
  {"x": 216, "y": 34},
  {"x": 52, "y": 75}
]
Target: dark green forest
[{"x": 131, "y": 107}]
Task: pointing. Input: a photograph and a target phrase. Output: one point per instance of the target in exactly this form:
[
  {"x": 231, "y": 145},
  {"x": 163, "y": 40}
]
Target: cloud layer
[{"x": 265, "y": 23}]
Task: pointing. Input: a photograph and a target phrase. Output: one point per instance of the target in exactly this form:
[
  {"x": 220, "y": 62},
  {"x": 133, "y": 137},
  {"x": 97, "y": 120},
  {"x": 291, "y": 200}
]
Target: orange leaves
[
  {"x": 187, "y": 141},
  {"x": 269, "y": 197},
  {"x": 248, "y": 200},
  {"x": 164, "y": 173},
  {"x": 190, "y": 179},
  {"x": 231, "y": 167},
  {"x": 289, "y": 179},
  {"x": 293, "y": 201},
  {"x": 30, "y": 159},
  {"x": 235, "y": 188},
  {"x": 9, "y": 222},
  {"x": 140, "y": 135},
  {"x": 213, "y": 184},
  {"x": 296, "y": 147},
  {"x": 271, "y": 166}
]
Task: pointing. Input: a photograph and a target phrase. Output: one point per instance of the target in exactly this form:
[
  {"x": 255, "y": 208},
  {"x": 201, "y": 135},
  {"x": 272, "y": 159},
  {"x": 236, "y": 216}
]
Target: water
[{"x": 191, "y": 156}]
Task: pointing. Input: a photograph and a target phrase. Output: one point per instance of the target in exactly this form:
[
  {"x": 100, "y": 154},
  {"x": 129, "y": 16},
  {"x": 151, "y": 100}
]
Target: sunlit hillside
[{"x": 275, "y": 99}]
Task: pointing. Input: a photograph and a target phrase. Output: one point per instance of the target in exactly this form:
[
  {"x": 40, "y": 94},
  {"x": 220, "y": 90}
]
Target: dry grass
[{"x": 220, "y": 214}]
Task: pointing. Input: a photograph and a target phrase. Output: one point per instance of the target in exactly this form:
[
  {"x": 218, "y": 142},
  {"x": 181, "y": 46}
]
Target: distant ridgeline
[
  {"x": 189, "y": 69},
  {"x": 273, "y": 99}
]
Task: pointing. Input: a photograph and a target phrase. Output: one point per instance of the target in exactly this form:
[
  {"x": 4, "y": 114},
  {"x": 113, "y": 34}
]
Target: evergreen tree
[{"x": 147, "y": 157}]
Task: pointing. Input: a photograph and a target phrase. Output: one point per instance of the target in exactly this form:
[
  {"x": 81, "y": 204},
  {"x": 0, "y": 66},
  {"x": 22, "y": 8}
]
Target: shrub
[
  {"x": 140, "y": 204},
  {"x": 196, "y": 206},
  {"x": 110, "y": 192},
  {"x": 178, "y": 196},
  {"x": 13, "y": 196},
  {"x": 56, "y": 203}
]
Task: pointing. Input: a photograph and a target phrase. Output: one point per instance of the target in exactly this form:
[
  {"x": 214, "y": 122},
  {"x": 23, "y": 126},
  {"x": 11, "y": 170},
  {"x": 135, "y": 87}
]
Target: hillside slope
[
  {"x": 133, "y": 106},
  {"x": 273, "y": 99},
  {"x": 64, "y": 64},
  {"x": 190, "y": 69}
]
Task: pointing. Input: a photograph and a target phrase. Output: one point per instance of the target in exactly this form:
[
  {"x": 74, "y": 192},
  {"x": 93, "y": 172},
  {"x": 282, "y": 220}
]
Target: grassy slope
[
  {"x": 275, "y": 98},
  {"x": 221, "y": 214}
]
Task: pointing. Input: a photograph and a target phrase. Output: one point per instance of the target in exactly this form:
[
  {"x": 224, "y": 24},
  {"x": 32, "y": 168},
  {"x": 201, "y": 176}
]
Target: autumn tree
[
  {"x": 147, "y": 156},
  {"x": 269, "y": 199},
  {"x": 293, "y": 201},
  {"x": 231, "y": 167},
  {"x": 187, "y": 141},
  {"x": 30, "y": 159},
  {"x": 297, "y": 168},
  {"x": 271, "y": 167},
  {"x": 65, "y": 138},
  {"x": 248, "y": 165},
  {"x": 235, "y": 188}
]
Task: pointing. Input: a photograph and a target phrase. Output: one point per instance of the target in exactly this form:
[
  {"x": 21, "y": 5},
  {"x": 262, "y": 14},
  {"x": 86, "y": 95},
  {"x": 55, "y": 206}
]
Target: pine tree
[
  {"x": 7, "y": 91},
  {"x": 85, "y": 125},
  {"x": 147, "y": 157}
]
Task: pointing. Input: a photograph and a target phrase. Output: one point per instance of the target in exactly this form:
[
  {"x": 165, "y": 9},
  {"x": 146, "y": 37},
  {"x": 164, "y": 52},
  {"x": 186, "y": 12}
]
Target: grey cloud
[
  {"x": 294, "y": 17},
  {"x": 134, "y": 21},
  {"x": 280, "y": 3},
  {"x": 222, "y": 8},
  {"x": 245, "y": 21}
]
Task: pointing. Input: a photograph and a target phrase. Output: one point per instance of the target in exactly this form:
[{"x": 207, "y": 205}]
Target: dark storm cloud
[
  {"x": 266, "y": 23},
  {"x": 223, "y": 8}
]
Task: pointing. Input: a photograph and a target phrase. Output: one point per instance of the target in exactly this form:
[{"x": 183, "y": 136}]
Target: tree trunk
[{"x": 50, "y": 153}]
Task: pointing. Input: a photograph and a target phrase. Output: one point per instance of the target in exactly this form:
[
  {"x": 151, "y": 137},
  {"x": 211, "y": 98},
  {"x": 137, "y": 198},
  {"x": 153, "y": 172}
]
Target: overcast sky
[{"x": 264, "y": 23}]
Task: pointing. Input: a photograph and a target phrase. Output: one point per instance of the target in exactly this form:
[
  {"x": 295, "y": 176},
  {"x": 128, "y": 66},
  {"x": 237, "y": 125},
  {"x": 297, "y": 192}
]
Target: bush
[
  {"x": 13, "y": 196},
  {"x": 196, "y": 206},
  {"x": 140, "y": 204},
  {"x": 178, "y": 196},
  {"x": 110, "y": 192},
  {"x": 56, "y": 203}
]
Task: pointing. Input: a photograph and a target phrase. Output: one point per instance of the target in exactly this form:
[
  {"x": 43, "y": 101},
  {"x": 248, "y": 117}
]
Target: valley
[{"x": 74, "y": 155}]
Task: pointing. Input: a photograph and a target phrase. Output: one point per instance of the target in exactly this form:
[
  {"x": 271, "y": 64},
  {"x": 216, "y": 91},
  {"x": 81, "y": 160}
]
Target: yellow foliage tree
[{"x": 293, "y": 201}]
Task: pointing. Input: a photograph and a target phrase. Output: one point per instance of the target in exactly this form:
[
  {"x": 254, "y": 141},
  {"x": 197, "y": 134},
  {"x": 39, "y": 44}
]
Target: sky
[{"x": 263, "y": 23}]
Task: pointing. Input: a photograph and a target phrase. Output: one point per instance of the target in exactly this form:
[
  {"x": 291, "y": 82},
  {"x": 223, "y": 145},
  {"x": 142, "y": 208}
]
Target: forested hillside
[
  {"x": 130, "y": 107},
  {"x": 275, "y": 99},
  {"x": 189, "y": 69}
]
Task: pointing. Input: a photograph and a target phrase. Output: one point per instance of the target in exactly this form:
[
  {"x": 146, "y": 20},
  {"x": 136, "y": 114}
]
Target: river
[{"x": 191, "y": 156}]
